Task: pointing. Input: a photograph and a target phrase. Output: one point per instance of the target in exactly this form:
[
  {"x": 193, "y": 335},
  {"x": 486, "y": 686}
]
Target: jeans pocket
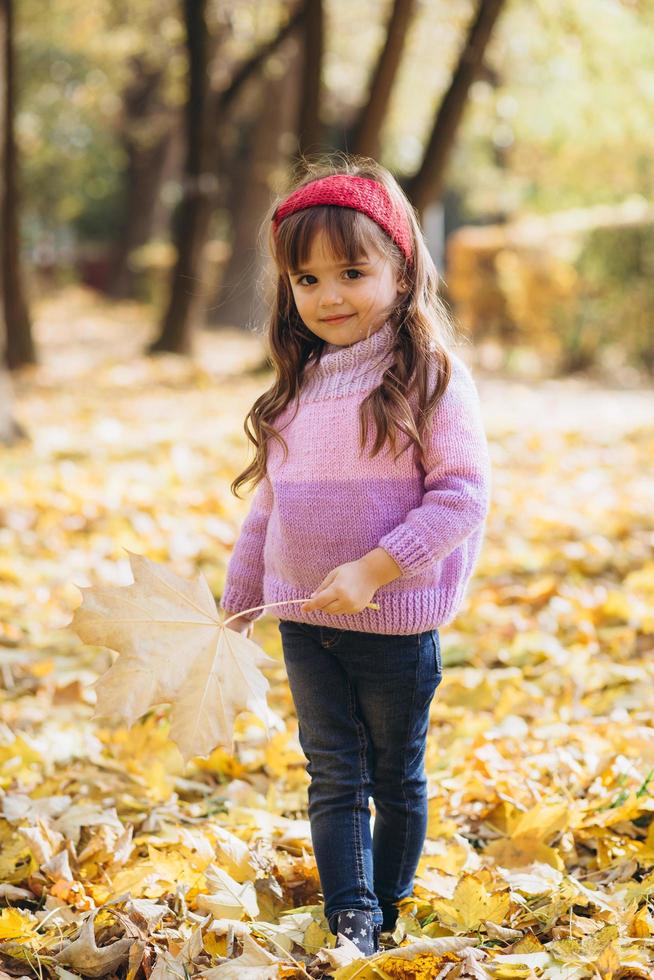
[{"x": 438, "y": 661}]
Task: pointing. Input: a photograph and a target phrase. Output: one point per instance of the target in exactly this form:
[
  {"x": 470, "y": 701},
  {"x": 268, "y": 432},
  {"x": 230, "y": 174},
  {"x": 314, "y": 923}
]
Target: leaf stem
[{"x": 287, "y": 602}]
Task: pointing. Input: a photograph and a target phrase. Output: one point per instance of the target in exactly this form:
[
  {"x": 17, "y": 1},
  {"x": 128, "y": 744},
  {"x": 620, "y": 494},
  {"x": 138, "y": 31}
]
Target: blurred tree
[
  {"x": 563, "y": 116},
  {"x": 557, "y": 126},
  {"x": 250, "y": 67},
  {"x": 289, "y": 113},
  {"x": 214, "y": 157},
  {"x": 148, "y": 126},
  {"x": 426, "y": 186},
  {"x": 236, "y": 302},
  {"x": 265, "y": 137},
  {"x": 365, "y": 135},
  {"x": 147, "y": 132},
  {"x": 263, "y": 151},
  {"x": 309, "y": 122},
  {"x": 82, "y": 171},
  {"x": 199, "y": 189},
  {"x": 5, "y": 389},
  {"x": 9, "y": 429},
  {"x": 19, "y": 348}
]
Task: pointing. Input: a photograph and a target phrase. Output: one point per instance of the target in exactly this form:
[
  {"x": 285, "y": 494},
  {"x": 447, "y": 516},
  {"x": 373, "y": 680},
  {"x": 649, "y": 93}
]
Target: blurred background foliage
[
  {"x": 562, "y": 117},
  {"x": 557, "y": 121}
]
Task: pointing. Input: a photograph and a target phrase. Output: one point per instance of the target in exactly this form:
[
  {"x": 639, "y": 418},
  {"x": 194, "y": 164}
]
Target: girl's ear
[{"x": 401, "y": 283}]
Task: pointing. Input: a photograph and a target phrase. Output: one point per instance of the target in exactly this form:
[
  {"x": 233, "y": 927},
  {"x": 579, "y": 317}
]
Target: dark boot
[
  {"x": 390, "y": 913},
  {"x": 358, "y": 926}
]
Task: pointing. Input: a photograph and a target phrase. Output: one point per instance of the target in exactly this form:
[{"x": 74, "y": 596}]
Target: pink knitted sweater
[{"x": 328, "y": 503}]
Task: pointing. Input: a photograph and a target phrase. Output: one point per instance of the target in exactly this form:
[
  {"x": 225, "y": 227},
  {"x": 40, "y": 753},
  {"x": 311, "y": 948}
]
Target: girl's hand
[
  {"x": 347, "y": 589},
  {"x": 239, "y": 625}
]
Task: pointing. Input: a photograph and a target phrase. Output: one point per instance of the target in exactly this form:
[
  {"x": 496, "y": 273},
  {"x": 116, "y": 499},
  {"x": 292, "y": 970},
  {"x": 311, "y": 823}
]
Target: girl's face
[{"x": 341, "y": 302}]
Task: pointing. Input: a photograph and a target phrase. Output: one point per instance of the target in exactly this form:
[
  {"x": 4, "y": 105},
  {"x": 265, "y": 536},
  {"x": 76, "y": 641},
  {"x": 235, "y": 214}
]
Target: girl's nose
[{"x": 330, "y": 296}]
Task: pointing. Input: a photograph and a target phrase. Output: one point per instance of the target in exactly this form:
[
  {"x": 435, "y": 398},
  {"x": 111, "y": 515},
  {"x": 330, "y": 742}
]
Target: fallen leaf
[
  {"x": 227, "y": 897},
  {"x": 16, "y": 925},
  {"x": 253, "y": 963},
  {"x": 471, "y": 905},
  {"x": 338, "y": 956},
  {"x": 84, "y": 955}
]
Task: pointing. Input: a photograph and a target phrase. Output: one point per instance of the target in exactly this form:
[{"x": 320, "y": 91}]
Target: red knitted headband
[{"x": 358, "y": 193}]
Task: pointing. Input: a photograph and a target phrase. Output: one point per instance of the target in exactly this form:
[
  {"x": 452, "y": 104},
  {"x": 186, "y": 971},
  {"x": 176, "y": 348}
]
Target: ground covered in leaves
[{"x": 116, "y": 859}]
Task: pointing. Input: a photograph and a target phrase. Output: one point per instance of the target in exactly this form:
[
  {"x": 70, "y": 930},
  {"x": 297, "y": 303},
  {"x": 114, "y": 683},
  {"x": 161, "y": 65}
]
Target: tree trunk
[
  {"x": 193, "y": 216},
  {"x": 9, "y": 428},
  {"x": 364, "y": 138},
  {"x": 251, "y": 68},
  {"x": 240, "y": 298},
  {"x": 147, "y": 132},
  {"x": 19, "y": 345},
  {"x": 173, "y": 167},
  {"x": 426, "y": 185},
  {"x": 309, "y": 125},
  {"x": 245, "y": 183}
]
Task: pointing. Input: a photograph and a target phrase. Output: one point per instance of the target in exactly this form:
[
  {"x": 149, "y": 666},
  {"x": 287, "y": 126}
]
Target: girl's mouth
[{"x": 337, "y": 319}]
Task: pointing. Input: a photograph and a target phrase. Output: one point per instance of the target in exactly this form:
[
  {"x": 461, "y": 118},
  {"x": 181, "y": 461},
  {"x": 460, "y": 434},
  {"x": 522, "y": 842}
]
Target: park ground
[{"x": 542, "y": 733}]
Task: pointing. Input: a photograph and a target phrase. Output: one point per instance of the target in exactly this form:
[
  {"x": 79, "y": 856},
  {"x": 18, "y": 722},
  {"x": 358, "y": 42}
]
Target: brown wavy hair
[{"x": 424, "y": 329}]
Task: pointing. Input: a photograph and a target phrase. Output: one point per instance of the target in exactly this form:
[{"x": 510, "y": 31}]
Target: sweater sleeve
[
  {"x": 244, "y": 576},
  {"x": 457, "y": 481}
]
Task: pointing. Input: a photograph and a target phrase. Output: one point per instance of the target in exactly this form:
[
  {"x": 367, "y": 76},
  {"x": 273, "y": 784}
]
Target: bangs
[{"x": 348, "y": 233}]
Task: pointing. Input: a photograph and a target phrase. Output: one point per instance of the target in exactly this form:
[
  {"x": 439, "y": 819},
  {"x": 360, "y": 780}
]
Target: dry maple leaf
[
  {"x": 84, "y": 955},
  {"x": 253, "y": 963},
  {"x": 173, "y": 649}
]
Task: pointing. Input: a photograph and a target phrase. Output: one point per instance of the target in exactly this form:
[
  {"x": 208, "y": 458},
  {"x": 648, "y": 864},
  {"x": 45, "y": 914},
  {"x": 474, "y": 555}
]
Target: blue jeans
[{"x": 362, "y": 702}]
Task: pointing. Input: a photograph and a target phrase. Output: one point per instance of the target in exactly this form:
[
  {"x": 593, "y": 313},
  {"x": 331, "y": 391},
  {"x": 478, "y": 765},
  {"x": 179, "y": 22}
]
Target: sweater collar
[
  {"x": 336, "y": 358},
  {"x": 344, "y": 370}
]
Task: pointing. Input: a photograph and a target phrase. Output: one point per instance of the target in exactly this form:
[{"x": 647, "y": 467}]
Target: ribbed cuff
[
  {"x": 407, "y": 549},
  {"x": 235, "y": 599}
]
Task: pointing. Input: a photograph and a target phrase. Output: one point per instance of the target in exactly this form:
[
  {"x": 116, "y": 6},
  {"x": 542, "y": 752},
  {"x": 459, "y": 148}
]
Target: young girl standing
[{"x": 373, "y": 480}]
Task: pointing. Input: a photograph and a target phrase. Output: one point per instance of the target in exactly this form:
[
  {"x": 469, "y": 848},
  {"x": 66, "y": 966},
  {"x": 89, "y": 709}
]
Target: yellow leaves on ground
[
  {"x": 117, "y": 857},
  {"x": 226, "y": 897},
  {"x": 471, "y": 906},
  {"x": 527, "y": 835},
  {"x": 153, "y": 877},
  {"x": 17, "y": 757},
  {"x": 16, "y": 925},
  {"x": 421, "y": 960},
  {"x": 252, "y": 960}
]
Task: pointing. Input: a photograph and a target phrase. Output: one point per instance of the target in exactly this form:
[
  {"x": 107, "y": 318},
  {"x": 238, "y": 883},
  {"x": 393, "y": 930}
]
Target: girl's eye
[{"x": 356, "y": 272}]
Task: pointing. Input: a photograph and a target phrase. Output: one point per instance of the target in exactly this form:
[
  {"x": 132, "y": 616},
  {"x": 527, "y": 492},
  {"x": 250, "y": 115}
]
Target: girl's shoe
[
  {"x": 358, "y": 926},
  {"x": 390, "y": 918}
]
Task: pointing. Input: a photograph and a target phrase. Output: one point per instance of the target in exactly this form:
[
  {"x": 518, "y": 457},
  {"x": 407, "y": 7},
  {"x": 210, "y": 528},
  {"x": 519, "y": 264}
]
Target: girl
[{"x": 379, "y": 487}]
